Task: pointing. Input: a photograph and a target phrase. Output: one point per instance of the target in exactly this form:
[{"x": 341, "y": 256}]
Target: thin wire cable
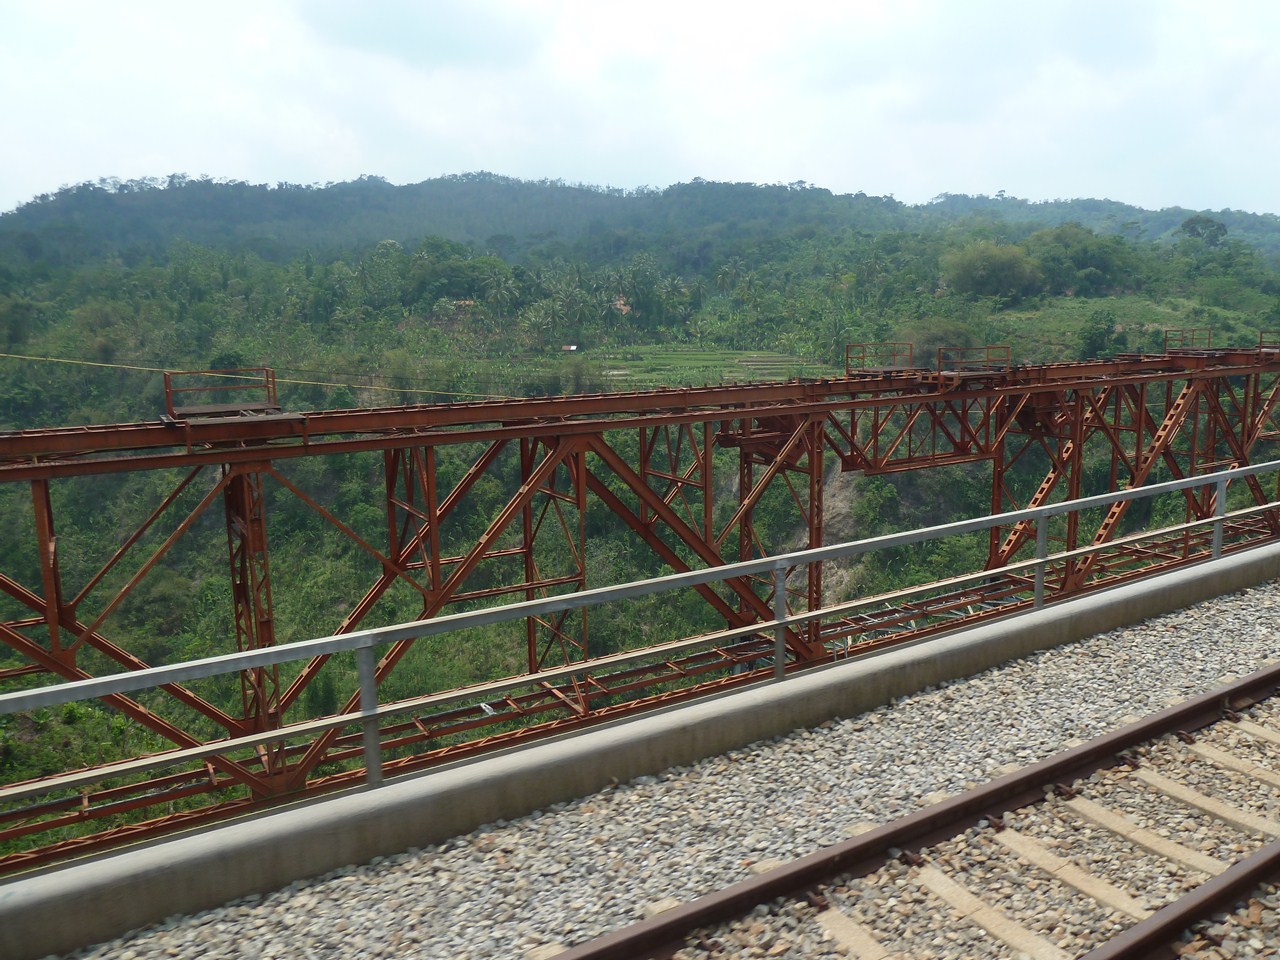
[{"x": 238, "y": 376}]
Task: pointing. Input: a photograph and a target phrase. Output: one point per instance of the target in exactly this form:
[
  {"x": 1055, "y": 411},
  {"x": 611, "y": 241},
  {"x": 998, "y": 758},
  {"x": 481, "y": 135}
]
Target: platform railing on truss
[
  {"x": 205, "y": 393},
  {"x": 864, "y": 358},
  {"x": 973, "y": 359},
  {"x": 1190, "y": 339}
]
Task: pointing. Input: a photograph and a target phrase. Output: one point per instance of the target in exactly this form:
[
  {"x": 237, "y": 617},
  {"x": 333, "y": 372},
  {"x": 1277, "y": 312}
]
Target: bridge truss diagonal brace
[
  {"x": 410, "y": 472},
  {"x": 552, "y": 514},
  {"x": 556, "y": 454},
  {"x": 62, "y": 662},
  {"x": 1240, "y": 444},
  {"x": 132, "y": 708},
  {"x": 758, "y": 607},
  {"x": 749, "y": 499},
  {"x": 50, "y": 577},
  {"x": 1159, "y": 449},
  {"x": 1086, "y": 415}
]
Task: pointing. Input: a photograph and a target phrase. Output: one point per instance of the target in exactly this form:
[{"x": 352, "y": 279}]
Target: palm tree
[
  {"x": 538, "y": 323},
  {"x": 728, "y": 275},
  {"x": 672, "y": 296},
  {"x": 500, "y": 290},
  {"x": 697, "y": 292},
  {"x": 871, "y": 272}
]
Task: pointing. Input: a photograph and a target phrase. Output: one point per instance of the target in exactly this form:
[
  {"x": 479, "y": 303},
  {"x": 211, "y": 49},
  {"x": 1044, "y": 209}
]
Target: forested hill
[
  {"x": 137, "y": 220},
  {"x": 366, "y": 292}
]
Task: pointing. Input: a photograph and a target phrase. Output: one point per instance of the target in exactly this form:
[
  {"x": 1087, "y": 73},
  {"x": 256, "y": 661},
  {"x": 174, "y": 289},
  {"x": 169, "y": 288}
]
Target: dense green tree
[
  {"x": 1100, "y": 336},
  {"x": 1076, "y": 261},
  {"x": 1205, "y": 228},
  {"x": 993, "y": 270}
]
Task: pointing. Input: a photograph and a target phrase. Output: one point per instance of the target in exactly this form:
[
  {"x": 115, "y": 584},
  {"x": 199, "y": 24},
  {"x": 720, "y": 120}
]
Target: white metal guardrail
[{"x": 364, "y": 642}]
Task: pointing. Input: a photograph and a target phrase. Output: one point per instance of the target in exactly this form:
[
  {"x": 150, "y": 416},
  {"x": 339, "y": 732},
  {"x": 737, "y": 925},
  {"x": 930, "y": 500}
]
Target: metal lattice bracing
[{"x": 490, "y": 502}]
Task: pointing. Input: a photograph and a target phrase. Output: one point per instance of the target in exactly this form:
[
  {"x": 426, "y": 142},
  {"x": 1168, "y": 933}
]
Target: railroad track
[{"x": 1122, "y": 847}]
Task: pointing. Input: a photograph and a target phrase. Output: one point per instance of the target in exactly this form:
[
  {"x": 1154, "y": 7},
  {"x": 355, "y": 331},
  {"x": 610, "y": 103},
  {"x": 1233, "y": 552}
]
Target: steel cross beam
[
  {"x": 252, "y": 607},
  {"x": 686, "y": 471}
]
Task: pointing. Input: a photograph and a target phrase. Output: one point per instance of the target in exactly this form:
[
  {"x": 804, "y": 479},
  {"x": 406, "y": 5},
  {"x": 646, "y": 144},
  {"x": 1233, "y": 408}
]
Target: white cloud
[{"x": 1152, "y": 102}]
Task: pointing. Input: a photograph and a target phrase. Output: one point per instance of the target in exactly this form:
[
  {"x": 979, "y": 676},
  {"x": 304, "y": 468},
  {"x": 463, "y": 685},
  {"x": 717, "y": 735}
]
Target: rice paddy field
[{"x": 641, "y": 367}]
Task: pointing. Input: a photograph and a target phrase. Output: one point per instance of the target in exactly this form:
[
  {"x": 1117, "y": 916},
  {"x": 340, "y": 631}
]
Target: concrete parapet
[{"x": 59, "y": 909}]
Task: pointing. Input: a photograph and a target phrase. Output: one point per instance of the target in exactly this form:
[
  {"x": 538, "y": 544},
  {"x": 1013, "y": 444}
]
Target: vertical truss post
[
  {"x": 746, "y": 478},
  {"x": 577, "y": 462},
  {"x": 817, "y": 481},
  {"x": 643, "y": 468},
  {"x": 527, "y": 450},
  {"x": 252, "y": 608},
  {"x": 746, "y": 483},
  {"x": 427, "y": 481},
  {"x": 1118, "y": 428},
  {"x": 1074, "y": 465},
  {"x": 47, "y": 549},
  {"x": 568, "y": 630},
  {"x": 998, "y": 495},
  {"x": 705, "y": 469}
]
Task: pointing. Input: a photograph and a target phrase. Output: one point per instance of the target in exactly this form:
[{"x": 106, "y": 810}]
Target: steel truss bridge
[{"x": 685, "y": 470}]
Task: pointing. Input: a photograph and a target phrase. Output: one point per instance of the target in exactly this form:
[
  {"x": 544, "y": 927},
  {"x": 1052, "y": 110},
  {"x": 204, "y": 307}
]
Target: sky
[{"x": 1156, "y": 103}]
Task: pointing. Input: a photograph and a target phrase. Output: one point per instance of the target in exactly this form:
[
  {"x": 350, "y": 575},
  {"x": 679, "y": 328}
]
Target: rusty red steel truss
[{"x": 685, "y": 470}]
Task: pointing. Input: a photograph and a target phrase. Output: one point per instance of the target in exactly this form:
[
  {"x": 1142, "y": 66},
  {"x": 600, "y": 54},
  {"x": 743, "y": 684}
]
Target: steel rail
[
  {"x": 662, "y": 935},
  {"x": 1151, "y": 937}
]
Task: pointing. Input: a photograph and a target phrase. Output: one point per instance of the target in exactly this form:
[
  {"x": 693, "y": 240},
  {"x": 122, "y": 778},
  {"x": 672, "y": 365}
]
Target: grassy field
[
  {"x": 1052, "y": 332},
  {"x": 675, "y": 365},
  {"x": 1037, "y": 332}
]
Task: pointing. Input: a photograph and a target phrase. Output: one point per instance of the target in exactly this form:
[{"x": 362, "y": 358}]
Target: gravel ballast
[{"x": 576, "y": 870}]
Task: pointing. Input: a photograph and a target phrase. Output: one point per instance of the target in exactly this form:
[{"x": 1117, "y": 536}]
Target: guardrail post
[
  {"x": 1042, "y": 553},
  {"x": 1219, "y": 511},
  {"x": 367, "y": 665},
  {"x": 779, "y": 614}
]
